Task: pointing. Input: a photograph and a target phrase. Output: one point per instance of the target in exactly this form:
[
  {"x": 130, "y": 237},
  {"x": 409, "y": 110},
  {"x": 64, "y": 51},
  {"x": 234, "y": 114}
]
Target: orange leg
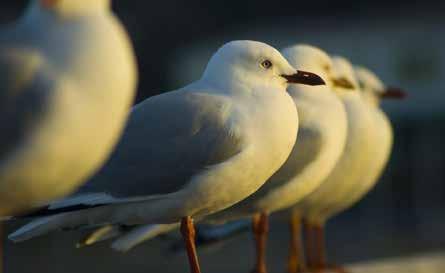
[
  {"x": 188, "y": 233},
  {"x": 320, "y": 247},
  {"x": 310, "y": 250},
  {"x": 295, "y": 261},
  {"x": 260, "y": 231},
  {"x": 318, "y": 260}
]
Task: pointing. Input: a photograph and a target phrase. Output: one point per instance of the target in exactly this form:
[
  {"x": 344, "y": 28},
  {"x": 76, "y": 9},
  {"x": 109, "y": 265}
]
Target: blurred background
[{"x": 403, "y": 42}]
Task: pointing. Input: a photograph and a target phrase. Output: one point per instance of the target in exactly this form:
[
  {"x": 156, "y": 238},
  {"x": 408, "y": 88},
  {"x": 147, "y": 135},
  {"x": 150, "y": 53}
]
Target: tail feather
[
  {"x": 100, "y": 210},
  {"x": 141, "y": 234},
  {"x": 85, "y": 201},
  {"x": 33, "y": 229},
  {"x": 100, "y": 235},
  {"x": 207, "y": 235},
  {"x": 65, "y": 221}
]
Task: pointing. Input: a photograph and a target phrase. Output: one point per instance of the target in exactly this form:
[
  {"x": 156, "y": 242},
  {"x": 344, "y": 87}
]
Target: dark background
[{"x": 404, "y": 42}]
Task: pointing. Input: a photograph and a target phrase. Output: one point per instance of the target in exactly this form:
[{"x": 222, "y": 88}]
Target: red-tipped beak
[{"x": 394, "y": 93}]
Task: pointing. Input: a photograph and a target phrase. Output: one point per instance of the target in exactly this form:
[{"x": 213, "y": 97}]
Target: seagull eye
[
  {"x": 327, "y": 68},
  {"x": 266, "y": 64}
]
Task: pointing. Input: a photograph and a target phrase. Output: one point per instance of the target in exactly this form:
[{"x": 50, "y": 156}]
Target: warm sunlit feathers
[
  {"x": 369, "y": 81},
  {"x": 249, "y": 62},
  {"x": 74, "y": 7},
  {"x": 310, "y": 58},
  {"x": 344, "y": 69}
]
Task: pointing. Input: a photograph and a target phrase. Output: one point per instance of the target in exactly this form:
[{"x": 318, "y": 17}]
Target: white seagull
[
  {"x": 372, "y": 90},
  {"x": 357, "y": 155},
  {"x": 67, "y": 81},
  {"x": 321, "y": 139},
  {"x": 194, "y": 151}
]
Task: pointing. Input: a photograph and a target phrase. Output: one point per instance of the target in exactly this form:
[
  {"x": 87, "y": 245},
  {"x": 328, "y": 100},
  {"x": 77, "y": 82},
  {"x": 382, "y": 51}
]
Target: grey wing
[
  {"x": 305, "y": 151},
  {"x": 169, "y": 138},
  {"x": 25, "y": 89}
]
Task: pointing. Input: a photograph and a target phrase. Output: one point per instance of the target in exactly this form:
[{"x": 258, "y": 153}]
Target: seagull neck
[
  {"x": 299, "y": 90},
  {"x": 344, "y": 93}
]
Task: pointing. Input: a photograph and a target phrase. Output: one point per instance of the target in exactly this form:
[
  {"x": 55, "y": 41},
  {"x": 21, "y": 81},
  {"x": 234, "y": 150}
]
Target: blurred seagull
[
  {"x": 372, "y": 90},
  {"x": 191, "y": 152},
  {"x": 321, "y": 139},
  {"x": 67, "y": 82},
  {"x": 354, "y": 161}
]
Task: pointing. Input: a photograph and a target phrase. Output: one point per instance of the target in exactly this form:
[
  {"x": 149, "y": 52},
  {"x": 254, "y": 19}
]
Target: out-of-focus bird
[
  {"x": 321, "y": 139},
  {"x": 191, "y": 152},
  {"x": 372, "y": 90},
  {"x": 67, "y": 81},
  {"x": 353, "y": 163}
]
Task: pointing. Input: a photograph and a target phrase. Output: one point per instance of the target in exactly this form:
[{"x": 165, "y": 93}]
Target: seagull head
[
  {"x": 314, "y": 59},
  {"x": 251, "y": 64},
  {"x": 343, "y": 69},
  {"x": 373, "y": 89},
  {"x": 73, "y": 7}
]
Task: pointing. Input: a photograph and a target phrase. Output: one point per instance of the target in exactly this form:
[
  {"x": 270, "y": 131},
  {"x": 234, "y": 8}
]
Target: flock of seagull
[{"x": 262, "y": 131}]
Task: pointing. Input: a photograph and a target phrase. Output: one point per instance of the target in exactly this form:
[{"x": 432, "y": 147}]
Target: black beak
[
  {"x": 303, "y": 77},
  {"x": 393, "y": 93},
  {"x": 343, "y": 83}
]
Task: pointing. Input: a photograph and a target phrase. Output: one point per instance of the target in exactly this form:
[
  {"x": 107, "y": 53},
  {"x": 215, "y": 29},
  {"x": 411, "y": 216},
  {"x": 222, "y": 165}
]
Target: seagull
[
  {"x": 372, "y": 91},
  {"x": 352, "y": 164},
  {"x": 67, "y": 81},
  {"x": 321, "y": 139},
  {"x": 191, "y": 152},
  {"x": 320, "y": 142}
]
